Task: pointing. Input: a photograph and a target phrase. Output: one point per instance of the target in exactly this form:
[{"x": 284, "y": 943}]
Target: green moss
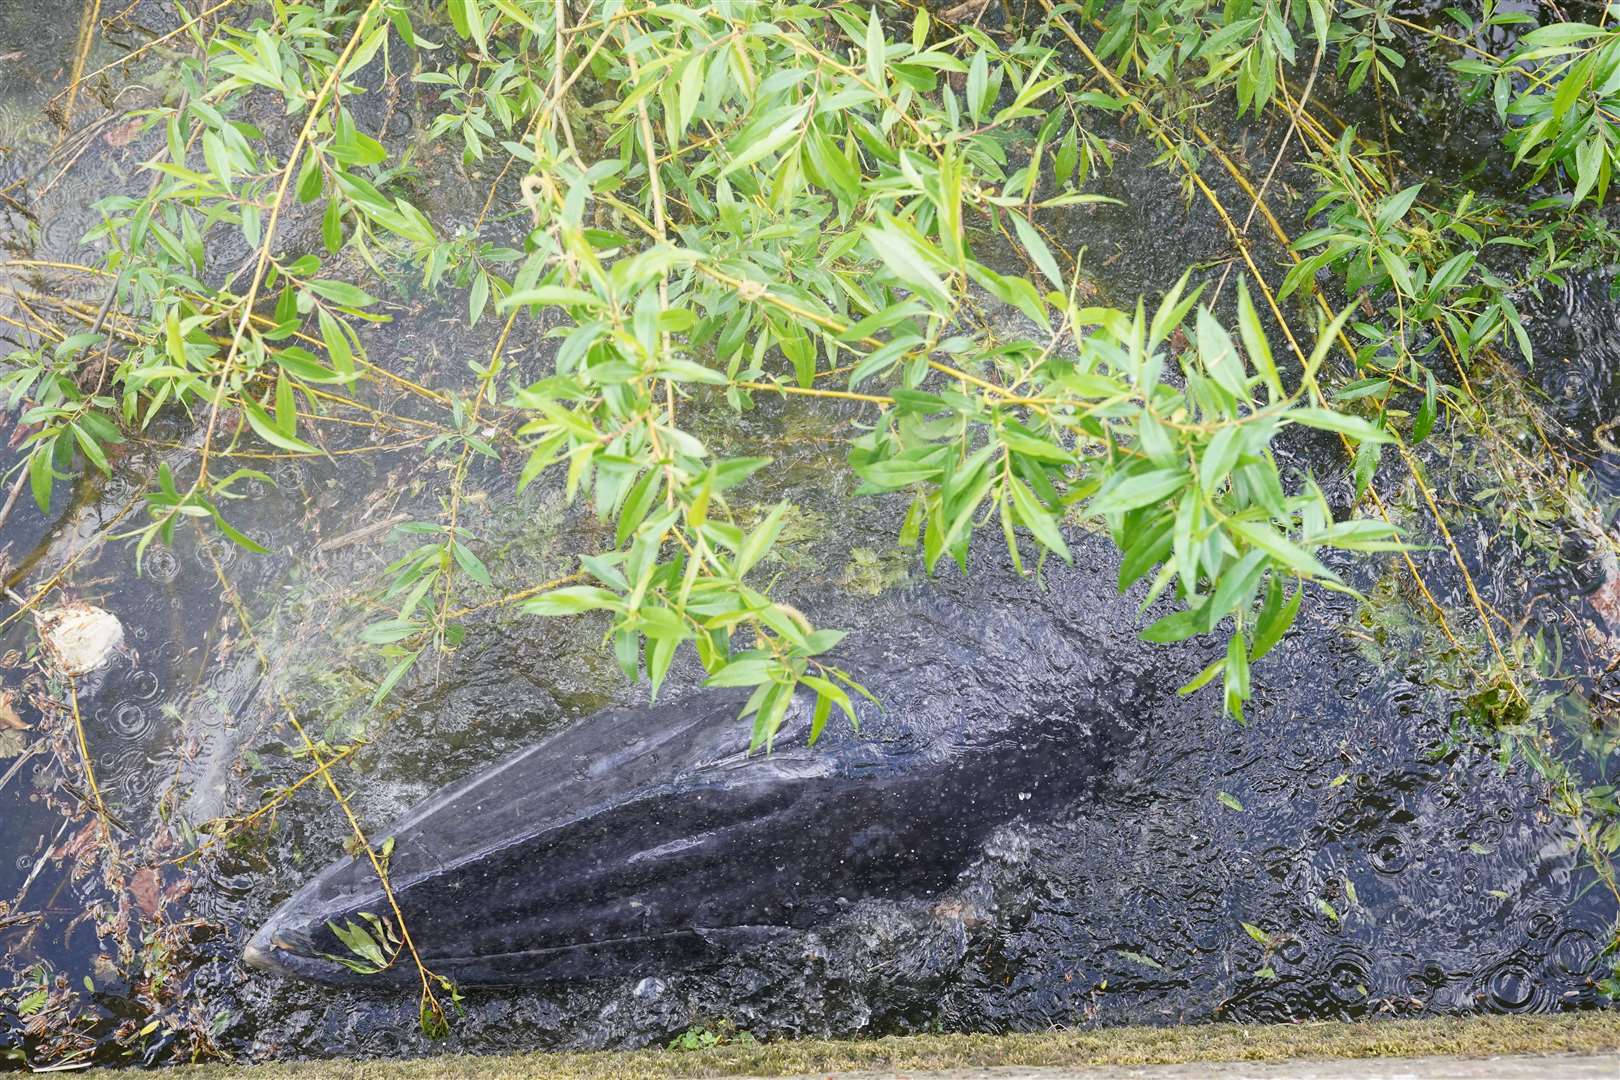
[
  {"x": 1469, "y": 1037},
  {"x": 796, "y": 547},
  {"x": 870, "y": 572}
]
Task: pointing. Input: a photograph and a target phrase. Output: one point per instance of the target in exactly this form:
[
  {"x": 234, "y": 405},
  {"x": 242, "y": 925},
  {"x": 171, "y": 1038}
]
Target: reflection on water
[{"x": 1392, "y": 863}]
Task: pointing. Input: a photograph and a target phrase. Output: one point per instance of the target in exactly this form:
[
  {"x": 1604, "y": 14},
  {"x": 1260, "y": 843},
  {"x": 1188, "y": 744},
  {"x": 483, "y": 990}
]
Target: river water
[{"x": 1399, "y": 863}]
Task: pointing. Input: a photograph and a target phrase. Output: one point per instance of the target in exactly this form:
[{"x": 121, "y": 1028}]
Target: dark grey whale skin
[{"x": 645, "y": 840}]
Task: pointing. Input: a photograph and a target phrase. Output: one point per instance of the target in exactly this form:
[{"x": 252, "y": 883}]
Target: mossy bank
[{"x": 1588, "y": 1033}]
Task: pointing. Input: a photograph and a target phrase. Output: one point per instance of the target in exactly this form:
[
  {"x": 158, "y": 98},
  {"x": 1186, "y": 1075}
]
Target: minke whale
[{"x": 648, "y": 840}]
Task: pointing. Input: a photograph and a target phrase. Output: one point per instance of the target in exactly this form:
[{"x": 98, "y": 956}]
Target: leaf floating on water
[
  {"x": 1230, "y": 801},
  {"x": 1140, "y": 958}
]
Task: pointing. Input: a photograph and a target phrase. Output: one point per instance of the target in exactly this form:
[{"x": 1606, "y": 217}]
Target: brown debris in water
[{"x": 9, "y": 720}]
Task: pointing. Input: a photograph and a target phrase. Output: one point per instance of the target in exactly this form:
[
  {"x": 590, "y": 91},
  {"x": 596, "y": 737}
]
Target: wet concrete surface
[{"x": 1517, "y": 1067}]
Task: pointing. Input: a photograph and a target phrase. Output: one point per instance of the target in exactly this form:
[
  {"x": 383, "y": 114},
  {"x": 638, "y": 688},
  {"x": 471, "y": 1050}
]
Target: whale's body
[{"x": 647, "y": 839}]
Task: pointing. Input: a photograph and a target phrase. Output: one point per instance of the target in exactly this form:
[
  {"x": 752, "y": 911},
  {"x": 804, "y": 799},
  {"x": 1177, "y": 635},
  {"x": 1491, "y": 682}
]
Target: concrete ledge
[
  {"x": 1515, "y": 1067},
  {"x": 1311, "y": 1051}
]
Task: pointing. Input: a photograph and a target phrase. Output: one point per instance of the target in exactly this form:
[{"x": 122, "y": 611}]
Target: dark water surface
[{"x": 1397, "y": 864}]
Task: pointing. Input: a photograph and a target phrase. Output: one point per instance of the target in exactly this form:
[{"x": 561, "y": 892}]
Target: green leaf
[
  {"x": 573, "y": 600},
  {"x": 1219, "y": 455},
  {"x": 471, "y": 563},
  {"x": 1030, "y": 237},
  {"x": 1256, "y": 344},
  {"x": 1037, "y": 520},
  {"x": 1172, "y": 311},
  {"x": 395, "y": 673},
  {"x": 905, "y": 262},
  {"x": 310, "y": 179},
  {"x": 1511, "y": 314},
  {"x": 818, "y": 718},
  {"x": 331, "y": 226},
  {"x": 552, "y": 295},
  {"x": 477, "y": 298},
  {"x": 1423, "y": 423},
  {"x": 1067, "y": 157},
  {"x": 174, "y": 339},
  {"x": 1556, "y": 36},
  {"x": 266, "y": 429},
  {"x": 1396, "y": 206},
  {"x": 978, "y": 84},
  {"x": 41, "y": 476},
  {"x": 831, "y": 691},
  {"x": 730, "y": 472},
  {"x": 1219, "y": 356},
  {"x": 893, "y": 473},
  {"x": 1177, "y": 626},
  {"x": 1203, "y": 678},
  {"x": 1138, "y": 489},
  {"x": 1368, "y": 455},
  {"x": 660, "y": 652},
  {"x": 458, "y": 17},
  {"x": 336, "y": 340},
  {"x": 834, "y": 168},
  {"x": 238, "y": 538},
  {"x": 768, "y": 720},
  {"x": 767, "y": 144},
  {"x": 760, "y": 540},
  {"x": 1231, "y": 802},
  {"x": 821, "y": 641},
  {"x": 91, "y": 450},
  {"x": 1233, "y": 590},
  {"x": 300, "y": 363},
  {"x": 1343, "y": 423},
  {"x": 1275, "y": 619},
  {"x": 471, "y": 21},
  {"x": 743, "y": 671},
  {"x": 640, "y": 501},
  {"x": 388, "y": 631},
  {"x": 1263, "y": 536},
  {"x": 1146, "y": 550},
  {"x": 341, "y": 293},
  {"x": 1360, "y": 534},
  {"x": 875, "y": 73},
  {"x": 99, "y": 427},
  {"x": 691, "y": 92},
  {"x": 1324, "y": 343},
  {"x": 1237, "y": 673},
  {"x": 286, "y": 409},
  {"x": 661, "y": 623}
]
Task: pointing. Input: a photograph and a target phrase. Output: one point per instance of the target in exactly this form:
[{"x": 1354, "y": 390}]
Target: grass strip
[{"x": 1478, "y": 1036}]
